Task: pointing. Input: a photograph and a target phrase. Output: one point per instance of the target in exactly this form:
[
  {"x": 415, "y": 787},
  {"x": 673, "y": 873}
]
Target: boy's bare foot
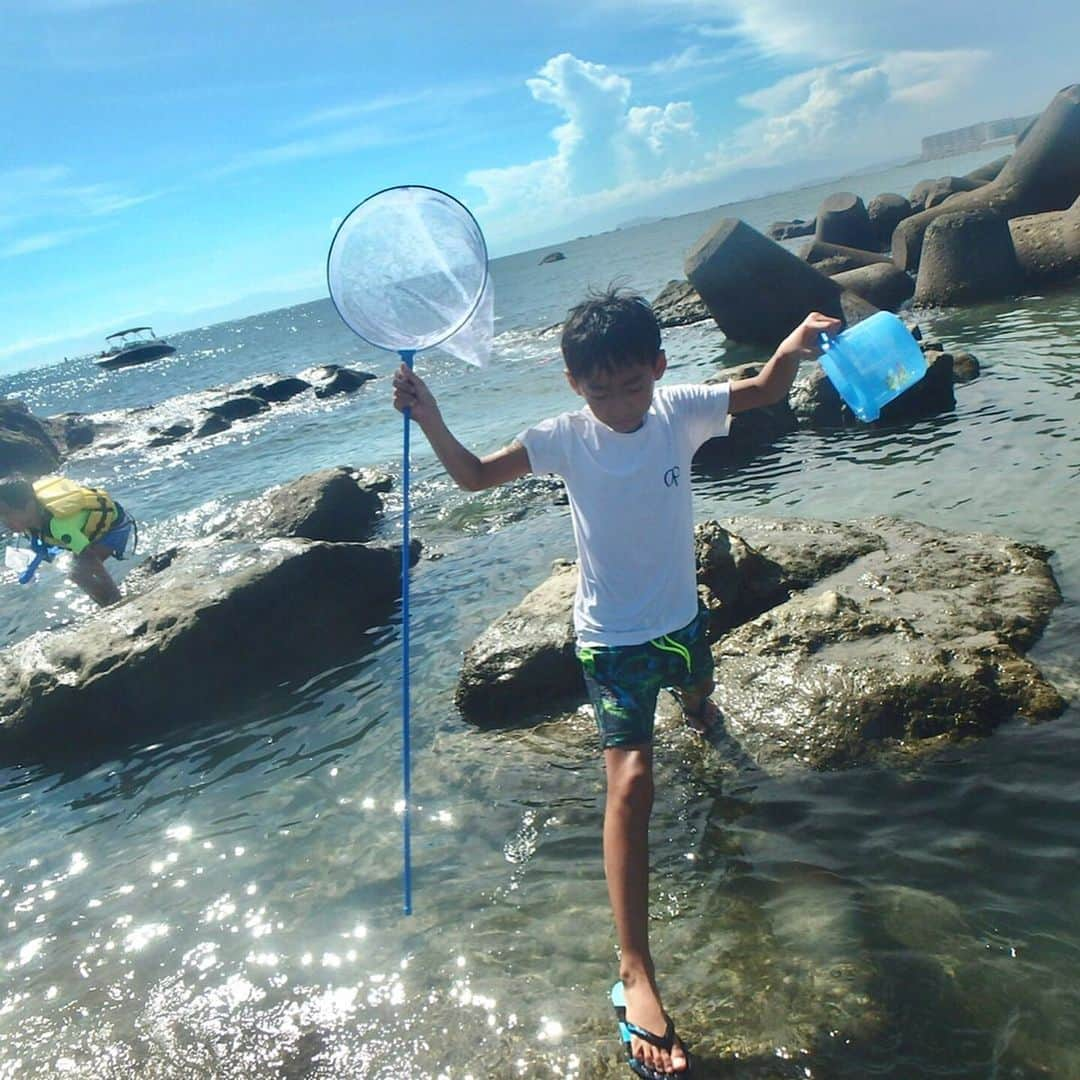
[{"x": 644, "y": 1009}]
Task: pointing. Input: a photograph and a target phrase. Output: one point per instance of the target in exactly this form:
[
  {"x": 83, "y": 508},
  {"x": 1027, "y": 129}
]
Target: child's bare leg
[
  {"x": 626, "y": 867},
  {"x": 89, "y": 573},
  {"x": 698, "y": 708}
]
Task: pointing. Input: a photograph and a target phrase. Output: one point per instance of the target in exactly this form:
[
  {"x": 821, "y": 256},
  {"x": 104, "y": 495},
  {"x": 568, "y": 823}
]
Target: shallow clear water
[{"x": 225, "y": 901}]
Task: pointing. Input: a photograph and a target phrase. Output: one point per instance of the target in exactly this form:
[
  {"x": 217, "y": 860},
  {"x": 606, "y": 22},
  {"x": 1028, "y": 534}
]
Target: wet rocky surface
[{"x": 836, "y": 642}]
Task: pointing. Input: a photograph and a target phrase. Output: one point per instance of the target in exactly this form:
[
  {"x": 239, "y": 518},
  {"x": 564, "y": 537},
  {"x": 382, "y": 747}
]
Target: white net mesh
[
  {"x": 407, "y": 268},
  {"x": 472, "y": 343}
]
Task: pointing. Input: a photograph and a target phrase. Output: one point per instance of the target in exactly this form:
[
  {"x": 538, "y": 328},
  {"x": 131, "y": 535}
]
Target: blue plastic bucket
[{"x": 872, "y": 362}]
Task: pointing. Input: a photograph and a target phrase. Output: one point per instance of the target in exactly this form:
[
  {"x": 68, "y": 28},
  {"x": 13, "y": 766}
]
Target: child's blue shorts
[
  {"x": 116, "y": 539},
  {"x": 624, "y": 681}
]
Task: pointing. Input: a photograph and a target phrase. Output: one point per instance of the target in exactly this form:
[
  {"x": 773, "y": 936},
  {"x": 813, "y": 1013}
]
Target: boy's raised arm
[
  {"x": 772, "y": 383},
  {"x": 466, "y": 469}
]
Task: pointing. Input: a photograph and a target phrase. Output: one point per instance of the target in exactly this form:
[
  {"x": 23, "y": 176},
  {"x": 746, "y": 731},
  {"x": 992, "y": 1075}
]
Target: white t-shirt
[{"x": 631, "y": 508}]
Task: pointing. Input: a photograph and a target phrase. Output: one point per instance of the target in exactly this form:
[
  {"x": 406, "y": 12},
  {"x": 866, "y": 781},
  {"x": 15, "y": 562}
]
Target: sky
[{"x": 183, "y": 162}]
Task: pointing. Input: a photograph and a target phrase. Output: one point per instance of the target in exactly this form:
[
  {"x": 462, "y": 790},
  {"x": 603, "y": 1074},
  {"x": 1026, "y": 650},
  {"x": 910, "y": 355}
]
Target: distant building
[{"x": 965, "y": 139}]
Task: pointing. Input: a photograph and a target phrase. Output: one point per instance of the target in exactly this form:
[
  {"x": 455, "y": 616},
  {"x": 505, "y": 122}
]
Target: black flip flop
[{"x": 666, "y": 1041}]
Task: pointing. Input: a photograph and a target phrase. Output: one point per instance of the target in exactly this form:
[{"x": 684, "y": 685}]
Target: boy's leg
[
  {"x": 689, "y": 646},
  {"x": 699, "y": 710},
  {"x": 626, "y": 868},
  {"x": 89, "y": 573}
]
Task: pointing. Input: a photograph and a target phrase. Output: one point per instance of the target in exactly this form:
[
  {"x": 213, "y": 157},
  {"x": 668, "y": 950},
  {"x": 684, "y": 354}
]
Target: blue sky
[{"x": 179, "y": 163}]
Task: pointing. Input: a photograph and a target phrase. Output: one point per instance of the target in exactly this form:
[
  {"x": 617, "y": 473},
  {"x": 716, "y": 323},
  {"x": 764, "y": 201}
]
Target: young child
[
  {"x": 57, "y": 512},
  {"x": 625, "y": 459}
]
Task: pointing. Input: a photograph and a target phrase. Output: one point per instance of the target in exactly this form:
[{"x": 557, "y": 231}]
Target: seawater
[{"x": 225, "y": 901}]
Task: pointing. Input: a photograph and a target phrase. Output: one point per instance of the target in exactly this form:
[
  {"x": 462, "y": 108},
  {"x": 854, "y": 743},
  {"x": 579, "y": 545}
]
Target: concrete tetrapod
[
  {"x": 1048, "y": 245},
  {"x": 967, "y": 257},
  {"x": 758, "y": 291},
  {"x": 842, "y": 219},
  {"x": 1043, "y": 174}
]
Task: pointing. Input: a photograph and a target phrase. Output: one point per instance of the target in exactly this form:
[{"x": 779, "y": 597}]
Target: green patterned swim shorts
[{"x": 624, "y": 681}]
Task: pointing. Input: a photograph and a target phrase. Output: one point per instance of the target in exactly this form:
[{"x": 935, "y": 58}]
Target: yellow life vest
[{"x": 63, "y": 498}]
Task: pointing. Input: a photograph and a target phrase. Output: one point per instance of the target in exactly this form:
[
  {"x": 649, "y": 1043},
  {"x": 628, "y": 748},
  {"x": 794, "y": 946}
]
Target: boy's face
[
  {"x": 621, "y": 398},
  {"x": 18, "y": 519}
]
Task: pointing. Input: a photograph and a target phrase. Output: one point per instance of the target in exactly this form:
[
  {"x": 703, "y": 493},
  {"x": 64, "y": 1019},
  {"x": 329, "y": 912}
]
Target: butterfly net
[{"x": 408, "y": 269}]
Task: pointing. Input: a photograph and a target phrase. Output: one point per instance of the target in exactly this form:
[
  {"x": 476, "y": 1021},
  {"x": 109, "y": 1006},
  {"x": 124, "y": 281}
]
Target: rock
[
  {"x": 553, "y": 256},
  {"x": 819, "y": 253},
  {"x": 967, "y": 257},
  {"x": 341, "y": 380},
  {"x": 525, "y": 660},
  {"x": 790, "y": 230},
  {"x": 750, "y": 431},
  {"x": 338, "y": 504},
  {"x": 906, "y": 636},
  {"x": 757, "y": 291},
  {"x": 25, "y": 444},
  {"x": 70, "y": 431},
  {"x": 965, "y": 367},
  {"x": 172, "y": 433},
  {"x": 211, "y": 631},
  {"x": 281, "y": 389},
  {"x": 805, "y": 550},
  {"x": 1042, "y": 174},
  {"x": 1047, "y": 245},
  {"x": 736, "y": 582},
  {"x": 882, "y": 284},
  {"x": 211, "y": 424},
  {"x": 886, "y": 211},
  {"x": 842, "y": 219},
  {"x": 678, "y": 304},
  {"x": 931, "y": 395},
  {"x": 817, "y": 404},
  {"x": 238, "y": 408},
  {"x": 917, "y": 642}
]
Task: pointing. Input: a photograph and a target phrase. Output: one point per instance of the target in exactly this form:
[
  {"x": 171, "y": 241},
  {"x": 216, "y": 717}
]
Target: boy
[
  {"x": 625, "y": 459},
  {"x": 57, "y": 512}
]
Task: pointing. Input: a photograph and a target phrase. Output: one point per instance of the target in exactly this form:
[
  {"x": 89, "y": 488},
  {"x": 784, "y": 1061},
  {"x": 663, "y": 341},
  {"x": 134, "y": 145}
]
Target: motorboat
[{"x": 135, "y": 346}]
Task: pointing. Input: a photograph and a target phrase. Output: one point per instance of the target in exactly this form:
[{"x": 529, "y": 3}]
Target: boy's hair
[
  {"x": 16, "y": 493},
  {"x": 609, "y": 330}
]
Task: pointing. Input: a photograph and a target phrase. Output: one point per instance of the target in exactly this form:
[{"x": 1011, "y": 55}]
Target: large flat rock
[
  {"x": 214, "y": 626},
  {"x": 837, "y": 641}
]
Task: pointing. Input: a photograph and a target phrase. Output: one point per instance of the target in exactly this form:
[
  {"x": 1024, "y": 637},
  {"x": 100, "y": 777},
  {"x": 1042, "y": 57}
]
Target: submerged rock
[
  {"x": 239, "y": 407},
  {"x": 279, "y": 389},
  {"x": 333, "y": 379},
  {"x": 791, "y": 230},
  {"x": 875, "y": 636}
]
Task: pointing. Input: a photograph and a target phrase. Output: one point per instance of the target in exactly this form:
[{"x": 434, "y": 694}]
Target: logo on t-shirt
[{"x": 671, "y": 477}]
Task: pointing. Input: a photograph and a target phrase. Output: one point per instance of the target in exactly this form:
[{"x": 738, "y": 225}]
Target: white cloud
[
  {"x": 609, "y": 153},
  {"x": 605, "y": 143},
  {"x": 50, "y": 207},
  {"x": 925, "y": 78},
  {"x": 27, "y": 245},
  {"x": 306, "y": 149},
  {"x": 805, "y": 113},
  {"x": 438, "y": 97}
]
